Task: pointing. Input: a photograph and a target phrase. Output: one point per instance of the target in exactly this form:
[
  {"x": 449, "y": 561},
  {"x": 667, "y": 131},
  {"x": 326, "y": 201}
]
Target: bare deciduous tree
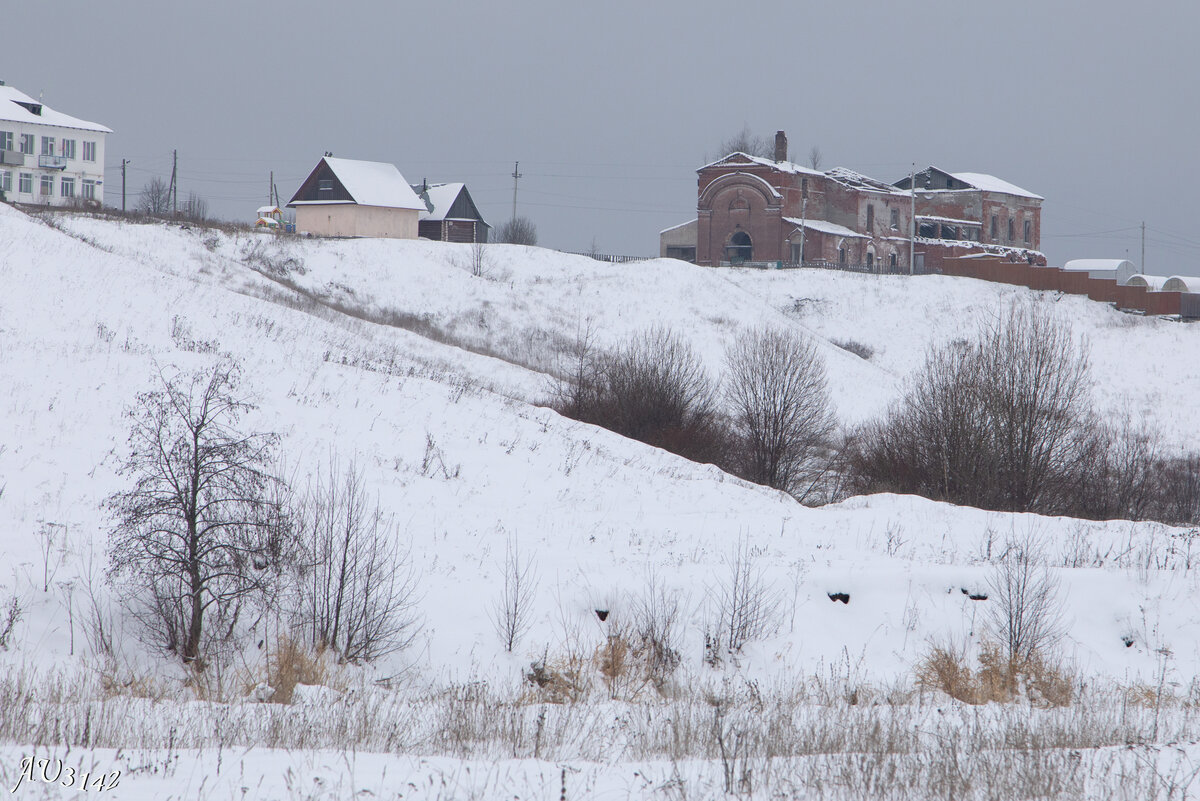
[
  {"x": 514, "y": 608},
  {"x": 777, "y": 397},
  {"x": 195, "y": 208},
  {"x": 357, "y": 587},
  {"x": 517, "y": 231},
  {"x": 155, "y": 198},
  {"x": 746, "y": 141},
  {"x": 815, "y": 157},
  {"x": 199, "y": 532}
]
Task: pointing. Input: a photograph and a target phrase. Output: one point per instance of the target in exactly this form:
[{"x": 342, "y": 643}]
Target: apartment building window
[
  {"x": 89, "y": 151},
  {"x": 47, "y": 145},
  {"x": 27, "y": 144},
  {"x": 995, "y": 227},
  {"x": 68, "y": 148},
  {"x": 66, "y": 187},
  {"x": 1011, "y": 229},
  {"x": 47, "y": 185},
  {"x": 5, "y": 181},
  {"x": 6, "y": 140},
  {"x": 89, "y": 189},
  {"x": 25, "y": 183},
  {"x": 1028, "y": 231}
]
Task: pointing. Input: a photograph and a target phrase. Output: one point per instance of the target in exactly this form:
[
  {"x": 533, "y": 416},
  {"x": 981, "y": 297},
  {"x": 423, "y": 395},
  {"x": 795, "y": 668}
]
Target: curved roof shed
[
  {"x": 1182, "y": 283},
  {"x": 1120, "y": 270},
  {"x": 1154, "y": 283}
]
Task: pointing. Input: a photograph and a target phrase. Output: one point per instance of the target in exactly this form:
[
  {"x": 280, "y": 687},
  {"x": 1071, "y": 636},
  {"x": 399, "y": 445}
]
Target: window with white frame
[
  {"x": 6, "y": 140},
  {"x": 25, "y": 183},
  {"x": 47, "y": 145},
  {"x": 5, "y": 181},
  {"x": 89, "y": 151},
  {"x": 68, "y": 148},
  {"x": 47, "y": 185},
  {"x": 88, "y": 189},
  {"x": 27, "y": 144},
  {"x": 66, "y": 187}
]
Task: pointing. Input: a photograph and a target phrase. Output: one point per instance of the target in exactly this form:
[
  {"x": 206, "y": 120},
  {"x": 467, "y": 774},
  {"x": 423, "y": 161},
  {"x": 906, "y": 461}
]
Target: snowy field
[{"x": 395, "y": 355}]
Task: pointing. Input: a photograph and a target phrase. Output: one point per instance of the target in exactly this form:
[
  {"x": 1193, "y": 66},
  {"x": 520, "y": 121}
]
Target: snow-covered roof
[
  {"x": 12, "y": 110},
  {"x": 265, "y": 210},
  {"x": 825, "y": 227},
  {"x": 441, "y": 197},
  {"x": 373, "y": 183},
  {"x": 677, "y": 227},
  {"x": 990, "y": 183},
  {"x": 948, "y": 220},
  {"x": 856, "y": 180},
  {"x": 782, "y": 166},
  {"x": 1094, "y": 265}
]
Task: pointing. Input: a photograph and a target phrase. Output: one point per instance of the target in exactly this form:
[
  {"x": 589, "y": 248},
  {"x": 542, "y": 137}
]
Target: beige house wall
[
  {"x": 351, "y": 219},
  {"x": 680, "y": 236}
]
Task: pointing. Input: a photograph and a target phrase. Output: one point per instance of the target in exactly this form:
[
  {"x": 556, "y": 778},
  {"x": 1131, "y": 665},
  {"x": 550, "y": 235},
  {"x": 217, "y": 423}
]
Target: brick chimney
[{"x": 780, "y": 146}]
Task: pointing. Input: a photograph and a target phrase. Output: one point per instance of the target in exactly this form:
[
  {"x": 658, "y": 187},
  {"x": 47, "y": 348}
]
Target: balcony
[
  {"x": 12, "y": 158},
  {"x": 52, "y": 162}
]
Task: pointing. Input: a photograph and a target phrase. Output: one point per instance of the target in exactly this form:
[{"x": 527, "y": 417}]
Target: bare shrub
[
  {"x": 746, "y": 606},
  {"x": 1024, "y": 610},
  {"x": 656, "y": 623},
  {"x": 357, "y": 590},
  {"x": 860, "y": 350},
  {"x": 198, "y": 535},
  {"x": 1117, "y": 472},
  {"x": 653, "y": 389},
  {"x": 517, "y": 231},
  {"x": 776, "y": 392},
  {"x": 513, "y": 610},
  {"x": 993, "y": 423}
]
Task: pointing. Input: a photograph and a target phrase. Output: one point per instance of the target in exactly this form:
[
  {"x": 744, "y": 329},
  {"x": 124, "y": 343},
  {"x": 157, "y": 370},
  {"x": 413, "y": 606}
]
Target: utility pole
[
  {"x": 174, "y": 183},
  {"x": 271, "y": 190},
  {"x": 123, "y": 163},
  {"x": 1143, "y": 247},
  {"x": 516, "y": 176},
  {"x": 912, "y": 220}
]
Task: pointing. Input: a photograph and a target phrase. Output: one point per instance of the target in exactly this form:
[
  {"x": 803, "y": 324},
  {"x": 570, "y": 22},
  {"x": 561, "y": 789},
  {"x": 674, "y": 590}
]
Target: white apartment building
[{"x": 47, "y": 157}]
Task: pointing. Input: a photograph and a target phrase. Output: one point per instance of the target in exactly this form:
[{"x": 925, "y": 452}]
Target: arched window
[
  {"x": 740, "y": 247},
  {"x": 842, "y": 255}
]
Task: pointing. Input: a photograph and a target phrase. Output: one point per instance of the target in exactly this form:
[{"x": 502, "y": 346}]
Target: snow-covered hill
[{"x": 440, "y": 410}]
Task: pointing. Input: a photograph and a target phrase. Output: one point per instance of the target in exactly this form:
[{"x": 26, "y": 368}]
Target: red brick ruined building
[{"x": 757, "y": 210}]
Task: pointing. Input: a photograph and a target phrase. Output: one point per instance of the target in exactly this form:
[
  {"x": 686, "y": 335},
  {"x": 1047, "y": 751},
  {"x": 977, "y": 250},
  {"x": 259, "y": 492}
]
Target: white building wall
[{"x": 77, "y": 169}]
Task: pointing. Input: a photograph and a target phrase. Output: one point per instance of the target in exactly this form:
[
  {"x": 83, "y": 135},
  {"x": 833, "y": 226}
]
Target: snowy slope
[
  {"x": 85, "y": 328},
  {"x": 538, "y": 301},
  {"x": 454, "y": 447}
]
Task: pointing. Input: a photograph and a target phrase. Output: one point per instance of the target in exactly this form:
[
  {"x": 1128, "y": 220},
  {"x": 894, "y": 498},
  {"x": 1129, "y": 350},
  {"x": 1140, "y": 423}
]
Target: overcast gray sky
[{"x": 610, "y": 107}]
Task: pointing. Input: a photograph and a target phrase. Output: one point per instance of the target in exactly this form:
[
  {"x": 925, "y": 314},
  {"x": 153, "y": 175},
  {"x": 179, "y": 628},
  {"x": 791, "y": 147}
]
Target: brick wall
[{"x": 1104, "y": 290}]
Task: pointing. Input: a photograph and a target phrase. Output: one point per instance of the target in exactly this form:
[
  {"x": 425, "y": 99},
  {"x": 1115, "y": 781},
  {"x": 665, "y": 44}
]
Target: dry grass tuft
[{"x": 997, "y": 679}]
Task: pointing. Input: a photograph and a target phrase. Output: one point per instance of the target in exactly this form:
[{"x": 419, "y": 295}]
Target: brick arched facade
[{"x": 739, "y": 202}]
